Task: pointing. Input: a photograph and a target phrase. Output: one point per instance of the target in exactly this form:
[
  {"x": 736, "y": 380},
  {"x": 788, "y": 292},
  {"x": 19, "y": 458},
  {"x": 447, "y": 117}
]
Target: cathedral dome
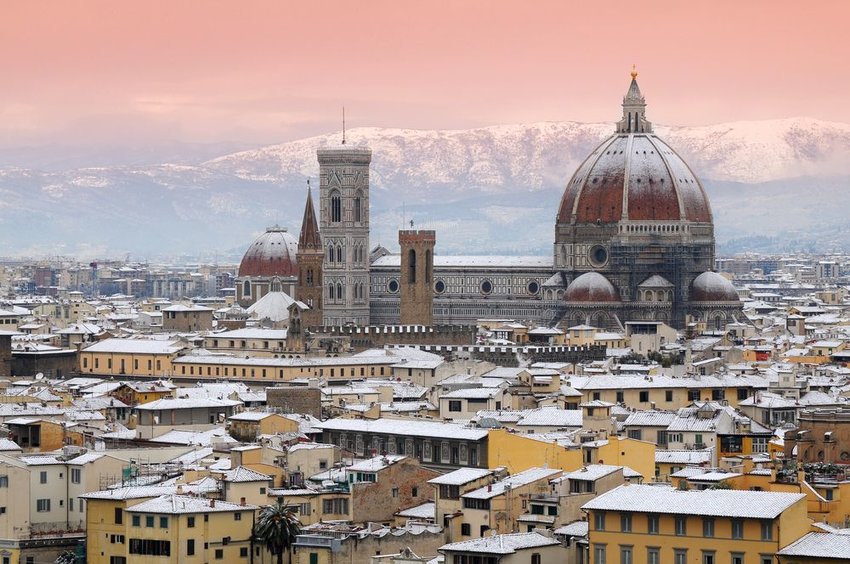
[
  {"x": 271, "y": 254},
  {"x": 591, "y": 287},
  {"x": 712, "y": 287},
  {"x": 634, "y": 176}
]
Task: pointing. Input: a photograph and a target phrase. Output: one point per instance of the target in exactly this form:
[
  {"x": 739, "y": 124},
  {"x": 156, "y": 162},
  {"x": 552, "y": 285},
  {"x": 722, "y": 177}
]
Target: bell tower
[
  {"x": 310, "y": 256},
  {"x": 344, "y": 222},
  {"x": 417, "y": 271}
]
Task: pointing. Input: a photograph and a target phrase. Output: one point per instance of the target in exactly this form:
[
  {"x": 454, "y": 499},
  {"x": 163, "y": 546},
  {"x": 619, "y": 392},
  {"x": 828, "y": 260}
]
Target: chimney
[
  {"x": 179, "y": 489},
  {"x": 212, "y": 502},
  {"x": 242, "y": 501}
]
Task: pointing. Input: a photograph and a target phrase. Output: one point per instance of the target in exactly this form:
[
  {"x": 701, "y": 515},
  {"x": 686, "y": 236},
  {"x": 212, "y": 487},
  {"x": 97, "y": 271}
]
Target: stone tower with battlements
[
  {"x": 344, "y": 222},
  {"x": 416, "y": 292},
  {"x": 310, "y": 259}
]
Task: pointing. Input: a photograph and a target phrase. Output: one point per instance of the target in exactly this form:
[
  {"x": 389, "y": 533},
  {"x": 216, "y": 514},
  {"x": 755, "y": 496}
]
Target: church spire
[
  {"x": 309, "y": 237},
  {"x": 634, "y": 110}
]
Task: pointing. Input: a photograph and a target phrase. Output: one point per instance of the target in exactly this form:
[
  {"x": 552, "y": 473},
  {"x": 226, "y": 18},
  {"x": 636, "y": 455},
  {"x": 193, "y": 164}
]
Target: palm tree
[{"x": 276, "y": 527}]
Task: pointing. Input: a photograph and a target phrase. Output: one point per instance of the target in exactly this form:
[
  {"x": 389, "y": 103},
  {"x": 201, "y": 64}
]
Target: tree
[{"x": 276, "y": 528}]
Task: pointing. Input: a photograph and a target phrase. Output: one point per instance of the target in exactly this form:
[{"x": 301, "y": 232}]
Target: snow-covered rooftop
[
  {"x": 433, "y": 429},
  {"x": 500, "y": 544},
  {"x": 179, "y": 504},
  {"x": 516, "y": 480},
  {"x": 717, "y": 503},
  {"x": 830, "y": 546},
  {"x": 461, "y": 476}
]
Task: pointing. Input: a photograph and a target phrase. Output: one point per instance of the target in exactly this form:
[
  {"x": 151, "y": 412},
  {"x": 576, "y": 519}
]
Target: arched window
[
  {"x": 275, "y": 284},
  {"x": 246, "y": 288},
  {"x": 428, "y": 266},
  {"x": 339, "y": 256},
  {"x": 339, "y": 293},
  {"x": 336, "y": 207},
  {"x": 330, "y": 292},
  {"x": 331, "y": 254},
  {"x": 358, "y": 207},
  {"x": 310, "y": 277},
  {"x": 411, "y": 266}
]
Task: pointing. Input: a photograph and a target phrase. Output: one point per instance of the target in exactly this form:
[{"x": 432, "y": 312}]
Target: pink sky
[{"x": 268, "y": 71}]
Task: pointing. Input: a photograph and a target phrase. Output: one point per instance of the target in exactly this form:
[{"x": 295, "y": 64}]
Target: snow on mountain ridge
[
  {"x": 532, "y": 155},
  {"x": 492, "y": 189}
]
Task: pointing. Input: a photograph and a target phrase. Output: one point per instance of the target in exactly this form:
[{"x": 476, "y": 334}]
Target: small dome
[
  {"x": 712, "y": 287},
  {"x": 591, "y": 287},
  {"x": 655, "y": 281},
  {"x": 271, "y": 254}
]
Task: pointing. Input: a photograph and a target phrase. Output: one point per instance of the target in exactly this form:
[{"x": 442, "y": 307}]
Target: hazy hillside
[{"x": 772, "y": 183}]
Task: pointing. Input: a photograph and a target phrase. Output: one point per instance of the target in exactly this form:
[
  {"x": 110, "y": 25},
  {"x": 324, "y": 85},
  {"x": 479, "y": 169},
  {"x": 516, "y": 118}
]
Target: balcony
[
  {"x": 825, "y": 480},
  {"x": 318, "y": 541},
  {"x": 57, "y": 529},
  {"x": 547, "y": 497}
]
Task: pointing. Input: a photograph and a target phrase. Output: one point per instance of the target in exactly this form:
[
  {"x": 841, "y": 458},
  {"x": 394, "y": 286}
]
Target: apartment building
[
  {"x": 659, "y": 524},
  {"x": 42, "y": 511}
]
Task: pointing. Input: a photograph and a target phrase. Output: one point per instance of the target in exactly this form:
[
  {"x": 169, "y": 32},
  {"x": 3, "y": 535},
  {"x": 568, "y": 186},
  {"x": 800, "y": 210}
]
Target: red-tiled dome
[
  {"x": 634, "y": 175},
  {"x": 271, "y": 254},
  {"x": 591, "y": 287},
  {"x": 712, "y": 287}
]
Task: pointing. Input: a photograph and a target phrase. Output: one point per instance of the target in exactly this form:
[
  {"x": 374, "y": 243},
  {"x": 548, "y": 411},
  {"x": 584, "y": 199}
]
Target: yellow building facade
[
  {"x": 130, "y": 357},
  {"x": 657, "y": 524},
  {"x": 172, "y": 527}
]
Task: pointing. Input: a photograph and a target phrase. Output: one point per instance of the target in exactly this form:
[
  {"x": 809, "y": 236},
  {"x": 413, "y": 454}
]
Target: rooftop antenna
[{"x": 343, "y": 125}]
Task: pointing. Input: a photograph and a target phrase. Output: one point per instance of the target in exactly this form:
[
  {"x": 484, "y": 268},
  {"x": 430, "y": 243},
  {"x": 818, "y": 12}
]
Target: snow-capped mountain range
[{"x": 485, "y": 190}]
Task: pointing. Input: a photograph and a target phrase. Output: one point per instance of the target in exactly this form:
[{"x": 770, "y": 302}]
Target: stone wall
[
  {"x": 359, "y": 549},
  {"x": 301, "y": 400},
  {"x": 513, "y": 356},
  {"x": 5, "y": 355},
  {"x": 393, "y": 491},
  {"x": 362, "y": 338},
  {"x": 56, "y": 365}
]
